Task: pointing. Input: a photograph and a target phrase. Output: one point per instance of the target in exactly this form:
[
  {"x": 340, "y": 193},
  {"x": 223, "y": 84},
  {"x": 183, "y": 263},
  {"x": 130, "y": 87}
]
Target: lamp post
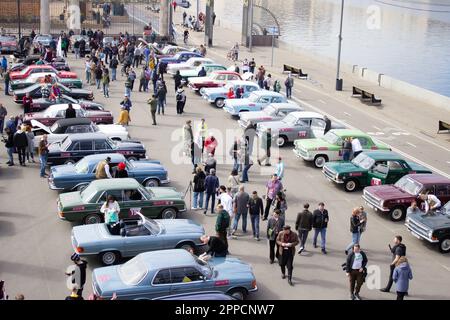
[
  {"x": 18, "y": 16},
  {"x": 250, "y": 40},
  {"x": 339, "y": 81}
]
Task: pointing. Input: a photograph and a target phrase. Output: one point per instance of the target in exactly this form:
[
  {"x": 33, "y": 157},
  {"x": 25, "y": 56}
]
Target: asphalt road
[{"x": 35, "y": 244}]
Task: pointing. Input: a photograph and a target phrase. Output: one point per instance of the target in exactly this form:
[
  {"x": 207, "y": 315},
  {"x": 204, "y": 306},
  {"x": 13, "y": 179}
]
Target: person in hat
[
  {"x": 181, "y": 100},
  {"x": 103, "y": 170},
  {"x": 121, "y": 171},
  {"x": 286, "y": 241},
  {"x": 77, "y": 274}
]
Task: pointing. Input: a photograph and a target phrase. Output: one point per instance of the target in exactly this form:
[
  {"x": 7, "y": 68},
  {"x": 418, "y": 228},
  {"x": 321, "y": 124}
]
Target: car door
[
  {"x": 117, "y": 194},
  {"x": 101, "y": 146},
  {"x": 378, "y": 173},
  {"x": 137, "y": 201},
  {"x": 397, "y": 169},
  {"x": 138, "y": 239},
  {"x": 185, "y": 280},
  {"x": 317, "y": 127},
  {"x": 302, "y": 130},
  {"x": 160, "y": 284},
  {"x": 262, "y": 102}
]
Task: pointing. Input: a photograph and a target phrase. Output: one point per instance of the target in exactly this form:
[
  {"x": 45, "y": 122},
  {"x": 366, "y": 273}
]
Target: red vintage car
[
  {"x": 214, "y": 80},
  {"x": 395, "y": 199},
  {"x": 23, "y": 74},
  {"x": 58, "y": 111}
]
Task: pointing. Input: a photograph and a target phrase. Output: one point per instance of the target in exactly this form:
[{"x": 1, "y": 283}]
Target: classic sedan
[
  {"x": 370, "y": 168},
  {"x": 71, "y": 177},
  {"x": 84, "y": 206},
  {"x": 41, "y": 104},
  {"x": 44, "y": 39},
  {"x": 218, "y": 95},
  {"x": 180, "y": 57},
  {"x": 58, "y": 111},
  {"x": 60, "y": 64},
  {"x": 8, "y": 44},
  {"x": 40, "y": 78},
  {"x": 76, "y": 146},
  {"x": 273, "y": 112},
  {"x": 64, "y": 127},
  {"x": 256, "y": 101},
  {"x": 187, "y": 75},
  {"x": 191, "y": 64},
  {"x": 36, "y": 92},
  {"x": 214, "y": 80},
  {"x": 329, "y": 147},
  {"x": 135, "y": 237},
  {"x": 164, "y": 272},
  {"x": 26, "y": 72}
]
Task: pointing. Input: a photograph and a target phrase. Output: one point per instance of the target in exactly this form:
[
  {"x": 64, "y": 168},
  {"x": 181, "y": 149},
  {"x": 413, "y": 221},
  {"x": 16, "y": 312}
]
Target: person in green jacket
[
  {"x": 277, "y": 86},
  {"x": 222, "y": 223},
  {"x": 105, "y": 82},
  {"x": 153, "y": 102}
]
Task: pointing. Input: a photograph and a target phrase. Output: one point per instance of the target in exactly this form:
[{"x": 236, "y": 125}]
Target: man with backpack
[
  {"x": 289, "y": 84},
  {"x": 113, "y": 66}
]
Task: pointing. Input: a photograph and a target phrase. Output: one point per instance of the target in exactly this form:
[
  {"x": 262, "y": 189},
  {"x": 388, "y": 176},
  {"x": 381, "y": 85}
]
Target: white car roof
[
  {"x": 62, "y": 106},
  {"x": 242, "y": 83},
  {"x": 291, "y": 105},
  {"x": 306, "y": 114}
]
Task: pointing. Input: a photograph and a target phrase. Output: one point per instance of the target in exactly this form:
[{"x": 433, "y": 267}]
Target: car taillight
[
  {"x": 254, "y": 284},
  {"x": 79, "y": 249}
]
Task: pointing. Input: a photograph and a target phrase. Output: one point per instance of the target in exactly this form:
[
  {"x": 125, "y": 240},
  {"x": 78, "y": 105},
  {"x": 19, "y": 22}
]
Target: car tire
[
  {"x": 81, "y": 187},
  {"x": 151, "y": 183},
  {"x": 168, "y": 213},
  {"x": 444, "y": 245},
  {"x": 319, "y": 160},
  {"x": 351, "y": 185},
  {"x": 239, "y": 293},
  {"x": 188, "y": 246},
  {"x": 397, "y": 214},
  {"x": 92, "y": 218},
  {"x": 281, "y": 141},
  {"x": 219, "y": 103},
  {"x": 69, "y": 162},
  {"x": 109, "y": 258}
]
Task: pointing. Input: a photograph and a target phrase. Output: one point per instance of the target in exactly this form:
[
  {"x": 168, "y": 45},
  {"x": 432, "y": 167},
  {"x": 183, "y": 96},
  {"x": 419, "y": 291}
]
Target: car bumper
[
  {"x": 419, "y": 235},
  {"x": 182, "y": 210},
  {"x": 254, "y": 289},
  {"x": 303, "y": 155},
  {"x": 375, "y": 206},
  {"x": 230, "y": 111},
  {"x": 192, "y": 87},
  {"x": 167, "y": 181},
  {"x": 52, "y": 185}
]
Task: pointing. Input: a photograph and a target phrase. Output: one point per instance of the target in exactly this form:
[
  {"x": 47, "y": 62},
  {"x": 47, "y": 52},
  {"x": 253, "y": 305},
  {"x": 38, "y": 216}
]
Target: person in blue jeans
[
  {"x": 199, "y": 188},
  {"x": 346, "y": 149},
  {"x": 43, "y": 155},
  {"x": 320, "y": 224},
  {"x": 240, "y": 204},
  {"x": 211, "y": 187},
  {"x": 355, "y": 229},
  {"x": 255, "y": 209}
]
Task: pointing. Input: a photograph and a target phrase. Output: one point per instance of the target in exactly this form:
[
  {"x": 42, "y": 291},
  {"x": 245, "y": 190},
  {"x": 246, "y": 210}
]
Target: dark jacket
[
  {"x": 211, "y": 184},
  {"x": 351, "y": 258},
  {"x": 70, "y": 113},
  {"x": 217, "y": 248},
  {"x": 177, "y": 79},
  {"x": 320, "y": 220},
  {"x": 20, "y": 139},
  {"x": 355, "y": 224},
  {"x": 255, "y": 206},
  {"x": 9, "y": 141},
  {"x": 293, "y": 238},
  {"x": 304, "y": 220},
  {"x": 398, "y": 250},
  {"x": 121, "y": 174},
  {"x": 276, "y": 226},
  {"x": 222, "y": 221},
  {"x": 199, "y": 182}
]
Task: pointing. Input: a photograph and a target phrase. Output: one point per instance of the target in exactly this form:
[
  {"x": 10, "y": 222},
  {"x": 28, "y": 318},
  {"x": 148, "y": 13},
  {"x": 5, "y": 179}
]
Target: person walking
[
  {"x": 241, "y": 204},
  {"x": 216, "y": 246},
  {"x": 252, "y": 65},
  {"x": 355, "y": 229},
  {"x": 398, "y": 251},
  {"x": 43, "y": 155},
  {"x": 211, "y": 187},
  {"x": 286, "y": 241},
  {"x": 199, "y": 188},
  {"x": 355, "y": 267},
  {"x": 126, "y": 103},
  {"x": 226, "y": 201},
  {"x": 274, "y": 227},
  {"x": 233, "y": 182},
  {"x": 161, "y": 96},
  {"x": 401, "y": 276},
  {"x": 21, "y": 143},
  {"x": 98, "y": 75},
  {"x": 131, "y": 78},
  {"x": 177, "y": 79},
  {"x": 246, "y": 161},
  {"x": 346, "y": 149},
  {"x": 280, "y": 203},
  {"x": 113, "y": 66},
  {"x": 137, "y": 57},
  {"x": 181, "y": 100},
  {"x": 30, "y": 147},
  {"x": 320, "y": 225},
  {"x": 255, "y": 209},
  {"x": 234, "y": 153},
  {"x": 273, "y": 186},
  {"x": 153, "y": 107},
  {"x": 280, "y": 169},
  {"x": 3, "y": 114},
  {"x": 142, "y": 80},
  {"x": 277, "y": 86},
  {"x": 124, "y": 116},
  {"x": 363, "y": 220},
  {"x": 87, "y": 70},
  {"x": 303, "y": 225},
  {"x": 105, "y": 82},
  {"x": 222, "y": 223},
  {"x": 356, "y": 147},
  {"x": 289, "y": 84},
  {"x": 9, "y": 145},
  {"x": 6, "y": 78},
  {"x": 266, "y": 145}
]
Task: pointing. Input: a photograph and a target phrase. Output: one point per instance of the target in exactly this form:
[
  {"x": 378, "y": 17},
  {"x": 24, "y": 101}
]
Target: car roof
[
  {"x": 116, "y": 184},
  {"x": 40, "y": 66},
  {"x": 226, "y": 72},
  {"x": 73, "y": 121},
  {"x": 383, "y": 155},
  {"x": 264, "y": 92},
  {"x": 87, "y": 136},
  {"x": 162, "y": 259},
  {"x": 280, "y": 105},
  {"x": 63, "y": 106},
  {"x": 115, "y": 157},
  {"x": 242, "y": 83},
  {"x": 349, "y": 133},
  {"x": 429, "y": 178},
  {"x": 306, "y": 114}
]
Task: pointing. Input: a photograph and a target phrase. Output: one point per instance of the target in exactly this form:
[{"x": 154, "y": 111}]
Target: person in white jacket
[{"x": 111, "y": 210}]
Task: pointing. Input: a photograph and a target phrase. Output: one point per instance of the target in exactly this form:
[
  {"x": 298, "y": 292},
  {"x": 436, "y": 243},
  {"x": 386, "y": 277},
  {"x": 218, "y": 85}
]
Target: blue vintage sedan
[
  {"x": 165, "y": 272},
  {"x": 135, "y": 237},
  {"x": 71, "y": 177},
  {"x": 180, "y": 57},
  {"x": 256, "y": 101},
  {"x": 217, "y": 96}
]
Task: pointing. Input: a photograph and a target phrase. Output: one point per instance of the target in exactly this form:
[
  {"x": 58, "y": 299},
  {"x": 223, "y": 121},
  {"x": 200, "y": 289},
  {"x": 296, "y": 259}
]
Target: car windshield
[
  {"x": 65, "y": 143},
  {"x": 133, "y": 272},
  {"x": 152, "y": 225},
  {"x": 270, "y": 110},
  {"x": 82, "y": 166},
  {"x": 409, "y": 185},
  {"x": 206, "y": 268},
  {"x": 111, "y": 142},
  {"x": 363, "y": 161},
  {"x": 332, "y": 138},
  {"x": 253, "y": 97},
  {"x": 88, "y": 193},
  {"x": 290, "y": 119}
]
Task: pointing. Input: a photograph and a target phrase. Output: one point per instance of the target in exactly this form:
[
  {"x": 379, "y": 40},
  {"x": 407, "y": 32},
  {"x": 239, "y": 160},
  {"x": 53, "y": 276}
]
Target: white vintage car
[
  {"x": 64, "y": 127},
  {"x": 191, "y": 64}
]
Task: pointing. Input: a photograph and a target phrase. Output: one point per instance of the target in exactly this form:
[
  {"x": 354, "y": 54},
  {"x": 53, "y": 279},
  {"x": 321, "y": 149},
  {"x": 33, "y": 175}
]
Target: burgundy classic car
[
  {"x": 58, "y": 111},
  {"x": 395, "y": 199},
  {"x": 214, "y": 80}
]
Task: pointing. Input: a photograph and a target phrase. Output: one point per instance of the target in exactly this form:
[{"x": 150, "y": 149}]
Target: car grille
[
  {"x": 302, "y": 151},
  {"x": 371, "y": 199},
  {"x": 417, "y": 228},
  {"x": 328, "y": 173}
]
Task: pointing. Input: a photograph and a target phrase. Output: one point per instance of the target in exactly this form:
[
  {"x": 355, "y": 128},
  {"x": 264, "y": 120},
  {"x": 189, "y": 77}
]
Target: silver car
[{"x": 273, "y": 112}]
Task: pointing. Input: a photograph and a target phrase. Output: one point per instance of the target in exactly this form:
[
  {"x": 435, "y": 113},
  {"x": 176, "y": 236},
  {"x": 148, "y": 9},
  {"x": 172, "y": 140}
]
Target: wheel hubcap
[
  {"x": 152, "y": 183},
  {"x": 220, "y": 103},
  {"x": 351, "y": 185},
  {"x": 320, "y": 161},
  {"x": 445, "y": 245},
  {"x": 169, "y": 214},
  {"x": 109, "y": 258},
  {"x": 397, "y": 214},
  {"x": 92, "y": 220},
  {"x": 238, "y": 295},
  {"x": 280, "y": 142}
]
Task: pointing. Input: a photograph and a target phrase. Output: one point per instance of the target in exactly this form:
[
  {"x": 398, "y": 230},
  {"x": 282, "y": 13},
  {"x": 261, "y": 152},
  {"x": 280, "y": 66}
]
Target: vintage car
[
  {"x": 8, "y": 44},
  {"x": 35, "y": 92},
  {"x": 191, "y": 64},
  {"x": 43, "y": 39},
  {"x": 135, "y": 237},
  {"x": 218, "y": 95},
  {"x": 329, "y": 147},
  {"x": 28, "y": 60},
  {"x": 78, "y": 37},
  {"x": 164, "y": 272},
  {"x": 64, "y": 127},
  {"x": 207, "y": 295},
  {"x": 370, "y": 168},
  {"x": 187, "y": 75},
  {"x": 60, "y": 64},
  {"x": 433, "y": 227},
  {"x": 58, "y": 111},
  {"x": 76, "y": 146},
  {"x": 273, "y": 112},
  {"x": 170, "y": 50},
  {"x": 296, "y": 125},
  {"x": 395, "y": 199},
  {"x": 256, "y": 101},
  {"x": 40, "y": 78},
  {"x": 84, "y": 206},
  {"x": 71, "y": 177},
  {"x": 214, "y": 80},
  {"x": 41, "y": 104},
  {"x": 180, "y": 57},
  {"x": 43, "y": 68}
]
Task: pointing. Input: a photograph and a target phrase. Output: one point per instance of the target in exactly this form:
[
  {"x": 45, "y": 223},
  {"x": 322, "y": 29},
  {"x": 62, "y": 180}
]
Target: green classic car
[
  {"x": 329, "y": 147},
  {"x": 371, "y": 168},
  {"x": 34, "y": 78},
  {"x": 84, "y": 206}
]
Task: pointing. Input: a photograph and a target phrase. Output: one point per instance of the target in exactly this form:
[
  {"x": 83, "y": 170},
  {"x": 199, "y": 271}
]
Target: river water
[{"x": 405, "y": 39}]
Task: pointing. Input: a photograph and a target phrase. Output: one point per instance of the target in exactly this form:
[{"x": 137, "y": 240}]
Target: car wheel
[
  {"x": 151, "y": 183},
  {"x": 220, "y": 103},
  {"x": 92, "y": 218},
  {"x": 319, "y": 161},
  {"x": 239, "y": 294},
  {"x": 132, "y": 159},
  {"x": 169, "y": 213},
  {"x": 397, "y": 214},
  {"x": 350, "y": 185},
  {"x": 69, "y": 162},
  {"x": 81, "y": 187},
  {"x": 281, "y": 141},
  {"x": 109, "y": 258},
  {"x": 444, "y": 245},
  {"x": 186, "y": 246}
]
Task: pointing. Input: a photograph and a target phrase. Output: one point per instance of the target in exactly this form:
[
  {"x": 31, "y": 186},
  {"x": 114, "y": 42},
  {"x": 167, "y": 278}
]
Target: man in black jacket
[
  {"x": 303, "y": 225},
  {"x": 355, "y": 229},
  {"x": 255, "y": 209},
  {"x": 216, "y": 247},
  {"x": 320, "y": 224},
  {"x": 398, "y": 250},
  {"x": 177, "y": 78},
  {"x": 355, "y": 267},
  {"x": 21, "y": 143},
  {"x": 70, "y": 112}
]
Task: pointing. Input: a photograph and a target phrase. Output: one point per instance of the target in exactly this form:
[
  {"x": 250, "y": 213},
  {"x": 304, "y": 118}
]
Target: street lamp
[{"x": 339, "y": 81}]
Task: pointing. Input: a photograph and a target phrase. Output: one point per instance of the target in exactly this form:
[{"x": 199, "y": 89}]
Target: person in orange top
[{"x": 230, "y": 94}]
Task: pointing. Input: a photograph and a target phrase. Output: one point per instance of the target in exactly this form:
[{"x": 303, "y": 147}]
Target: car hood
[
  {"x": 87, "y": 233},
  {"x": 343, "y": 167},
  {"x": 433, "y": 221},
  {"x": 388, "y": 192},
  {"x": 111, "y": 128},
  {"x": 273, "y": 125},
  {"x": 99, "y": 113},
  {"x": 255, "y": 115},
  {"x": 231, "y": 267},
  {"x": 63, "y": 170},
  {"x": 165, "y": 193},
  {"x": 147, "y": 165},
  {"x": 313, "y": 144},
  {"x": 70, "y": 199},
  {"x": 106, "y": 281},
  {"x": 129, "y": 145},
  {"x": 40, "y": 125},
  {"x": 180, "y": 226},
  {"x": 238, "y": 102}
]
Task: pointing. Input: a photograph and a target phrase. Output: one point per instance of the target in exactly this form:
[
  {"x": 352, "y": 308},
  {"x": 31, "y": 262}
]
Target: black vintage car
[
  {"x": 35, "y": 92},
  {"x": 77, "y": 146},
  {"x": 60, "y": 64},
  {"x": 41, "y": 104}
]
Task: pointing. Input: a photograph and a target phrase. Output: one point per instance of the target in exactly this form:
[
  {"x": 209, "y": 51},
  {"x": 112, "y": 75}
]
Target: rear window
[{"x": 133, "y": 271}]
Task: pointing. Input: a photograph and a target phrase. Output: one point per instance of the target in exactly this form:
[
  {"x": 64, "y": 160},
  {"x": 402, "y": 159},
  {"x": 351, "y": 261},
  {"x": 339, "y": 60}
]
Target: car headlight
[
  {"x": 381, "y": 203},
  {"x": 430, "y": 233}
]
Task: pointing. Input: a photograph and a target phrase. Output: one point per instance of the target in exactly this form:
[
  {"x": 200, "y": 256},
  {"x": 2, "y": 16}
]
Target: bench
[
  {"x": 295, "y": 71},
  {"x": 365, "y": 95},
  {"x": 443, "y": 126}
]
